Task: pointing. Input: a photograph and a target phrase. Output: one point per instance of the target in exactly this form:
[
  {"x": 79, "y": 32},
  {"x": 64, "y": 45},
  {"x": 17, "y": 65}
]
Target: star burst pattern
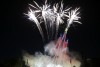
[{"x": 52, "y": 16}]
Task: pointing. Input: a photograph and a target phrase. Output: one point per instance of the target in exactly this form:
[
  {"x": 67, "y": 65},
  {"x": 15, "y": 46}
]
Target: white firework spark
[
  {"x": 60, "y": 15},
  {"x": 52, "y": 16},
  {"x": 73, "y": 16},
  {"x": 45, "y": 14},
  {"x": 32, "y": 17}
]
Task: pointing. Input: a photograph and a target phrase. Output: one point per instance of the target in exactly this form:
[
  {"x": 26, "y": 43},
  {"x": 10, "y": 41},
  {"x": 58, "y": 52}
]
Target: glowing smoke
[
  {"x": 59, "y": 56},
  {"x": 62, "y": 60}
]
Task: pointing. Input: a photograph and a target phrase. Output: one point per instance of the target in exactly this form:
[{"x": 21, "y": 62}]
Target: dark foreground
[{"x": 18, "y": 62}]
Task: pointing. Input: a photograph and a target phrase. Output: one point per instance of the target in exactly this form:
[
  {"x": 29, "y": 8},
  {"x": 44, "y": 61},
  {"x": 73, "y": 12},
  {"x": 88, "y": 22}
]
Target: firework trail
[{"x": 52, "y": 16}]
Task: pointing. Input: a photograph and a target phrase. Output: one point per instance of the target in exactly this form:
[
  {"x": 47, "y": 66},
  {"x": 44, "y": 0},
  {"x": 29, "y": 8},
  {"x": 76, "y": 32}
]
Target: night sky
[{"x": 17, "y": 33}]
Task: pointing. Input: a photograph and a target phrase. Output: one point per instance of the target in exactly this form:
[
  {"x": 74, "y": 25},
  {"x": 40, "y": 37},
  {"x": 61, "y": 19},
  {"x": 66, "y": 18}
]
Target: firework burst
[{"x": 52, "y": 16}]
